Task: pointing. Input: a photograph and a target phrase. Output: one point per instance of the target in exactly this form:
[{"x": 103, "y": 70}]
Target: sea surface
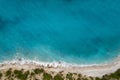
[{"x": 72, "y": 31}]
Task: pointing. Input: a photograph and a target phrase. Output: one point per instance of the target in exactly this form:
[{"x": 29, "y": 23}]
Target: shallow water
[{"x": 74, "y": 31}]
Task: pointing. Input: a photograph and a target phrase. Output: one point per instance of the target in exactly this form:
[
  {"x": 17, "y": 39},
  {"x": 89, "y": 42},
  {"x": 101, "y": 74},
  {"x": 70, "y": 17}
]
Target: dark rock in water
[{"x": 20, "y": 59}]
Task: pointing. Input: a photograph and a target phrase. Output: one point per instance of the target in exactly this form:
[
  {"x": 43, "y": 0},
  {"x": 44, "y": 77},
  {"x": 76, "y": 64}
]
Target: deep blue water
[{"x": 74, "y": 31}]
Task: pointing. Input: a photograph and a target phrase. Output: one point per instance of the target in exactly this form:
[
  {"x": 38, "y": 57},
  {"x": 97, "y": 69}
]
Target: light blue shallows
[{"x": 74, "y": 31}]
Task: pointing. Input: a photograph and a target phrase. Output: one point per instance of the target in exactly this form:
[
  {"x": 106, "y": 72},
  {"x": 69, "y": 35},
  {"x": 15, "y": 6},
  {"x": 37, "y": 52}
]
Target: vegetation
[
  {"x": 69, "y": 76},
  {"x": 20, "y": 75},
  {"x": 32, "y": 73},
  {"x": 115, "y": 75},
  {"x": 58, "y": 77},
  {"x": 8, "y": 73},
  {"x": 1, "y": 75},
  {"x": 40, "y": 74},
  {"x": 38, "y": 71},
  {"x": 47, "y": 76}
]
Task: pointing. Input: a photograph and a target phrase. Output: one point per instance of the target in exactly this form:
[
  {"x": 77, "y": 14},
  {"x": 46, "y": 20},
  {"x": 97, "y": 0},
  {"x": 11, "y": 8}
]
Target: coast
[{"x": 88, "y": 70}]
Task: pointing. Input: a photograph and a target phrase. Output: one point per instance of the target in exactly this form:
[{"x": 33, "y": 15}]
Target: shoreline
[{"x": 95, "y": 70}]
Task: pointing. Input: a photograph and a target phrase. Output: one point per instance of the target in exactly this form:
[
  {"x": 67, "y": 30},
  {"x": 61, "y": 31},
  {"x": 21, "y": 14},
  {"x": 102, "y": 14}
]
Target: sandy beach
[{"x": 91, "y": 70}]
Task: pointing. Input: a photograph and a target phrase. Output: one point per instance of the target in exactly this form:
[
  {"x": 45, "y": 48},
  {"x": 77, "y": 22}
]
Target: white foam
[{"x": 23, "y": 61}]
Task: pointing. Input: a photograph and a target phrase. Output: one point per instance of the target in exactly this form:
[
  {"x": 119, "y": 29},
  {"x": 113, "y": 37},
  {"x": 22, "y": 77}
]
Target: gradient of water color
[{"x": 74, "y": 31}]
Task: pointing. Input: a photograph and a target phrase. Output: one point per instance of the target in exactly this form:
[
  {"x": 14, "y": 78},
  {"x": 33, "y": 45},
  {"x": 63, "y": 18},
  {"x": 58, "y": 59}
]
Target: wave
[{"x": 23, "y": 61}]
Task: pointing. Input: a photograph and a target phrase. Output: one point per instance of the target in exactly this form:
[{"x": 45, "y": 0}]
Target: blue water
[{"x": 74, "y": 31}]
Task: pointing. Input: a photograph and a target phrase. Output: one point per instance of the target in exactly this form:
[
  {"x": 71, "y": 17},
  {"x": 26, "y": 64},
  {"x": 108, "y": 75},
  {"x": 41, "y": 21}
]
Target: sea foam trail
[
  {"x": 95, "y": 70},
  {"x": 23, "y": 61}
]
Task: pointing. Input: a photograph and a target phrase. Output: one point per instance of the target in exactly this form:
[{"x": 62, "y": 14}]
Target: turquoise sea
[{"x": 73, "y": 31}]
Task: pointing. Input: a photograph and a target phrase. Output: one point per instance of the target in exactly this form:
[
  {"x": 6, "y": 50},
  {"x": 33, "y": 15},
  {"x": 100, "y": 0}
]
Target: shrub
[
  {"x": 69, "y": 76},
  {"x": 8, "y": 73},
  {"x": 32, "y": 73},
  {"x": 1, "y": 75},
  {"x": 97, "y": 78},
  {"x": 20, "y": 75},
  {"x": 58, "y": 77},
  {"x": 38, "y": 71},
  {"x": 17, "y": 72},
  {"x": 79, "y": 79},
  {"x": 47, "y": 76}
]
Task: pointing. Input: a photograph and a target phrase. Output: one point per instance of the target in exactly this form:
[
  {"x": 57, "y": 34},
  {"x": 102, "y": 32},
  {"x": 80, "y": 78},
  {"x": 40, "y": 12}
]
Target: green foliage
[
  {"x": 32, "y": 73},
  {"x": 17, "y": 72},
  {"x": 38, "y": 71},
  {"x": 79, "y": 79},
  {"x": 112, "y": 76},
  {"x": 116, "y": 75},
  {"x": 1, "y": 75},
  {"x": 79, "y": 75},
  {"x": 26, "y": 74},
  {"x": 69, "y": 76},
  {"x": 23, "y": 75},
  {"x": 47, "y": 76},
  {"x": 91, "y": 78},
  {"x": 20, "y": 75},
  {"x": 8, "y": 73},
  {"x": 97, "y": 78},
  {"x": 58, "y": 77}
]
